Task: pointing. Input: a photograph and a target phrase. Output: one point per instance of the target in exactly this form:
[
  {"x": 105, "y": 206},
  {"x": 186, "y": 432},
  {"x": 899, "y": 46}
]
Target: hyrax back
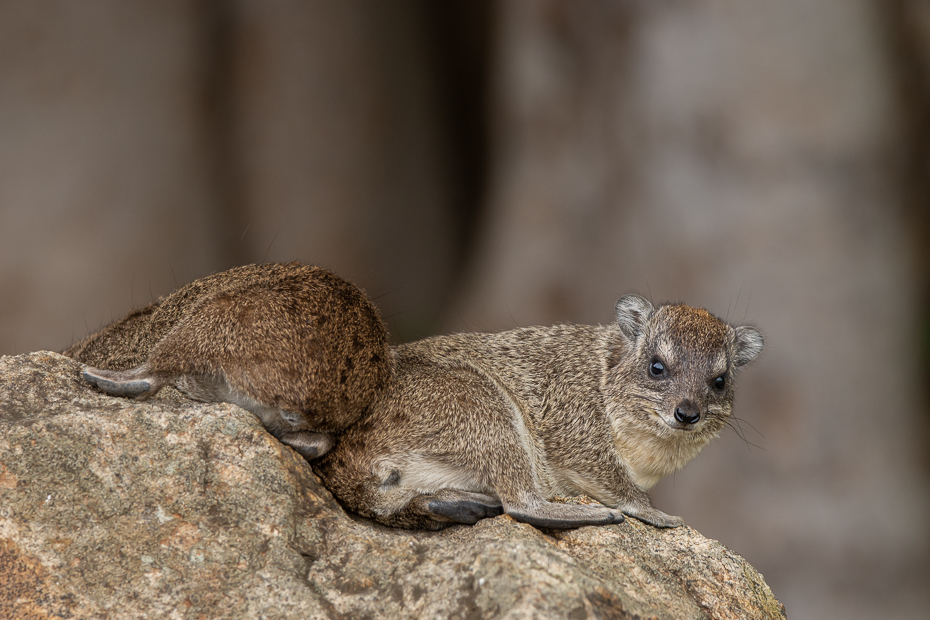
[
  {"x": 298, "y": 346},
  {"x": 473, "y": 425}
]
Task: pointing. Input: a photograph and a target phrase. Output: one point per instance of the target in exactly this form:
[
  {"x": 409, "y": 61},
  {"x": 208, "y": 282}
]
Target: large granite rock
[{"x": 171, "y": 509}]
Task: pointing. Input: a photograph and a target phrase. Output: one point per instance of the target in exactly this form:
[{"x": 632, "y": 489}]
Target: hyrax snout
[
  {"x": 472, "y": 425},
  {"x": 299, "y": 347}
]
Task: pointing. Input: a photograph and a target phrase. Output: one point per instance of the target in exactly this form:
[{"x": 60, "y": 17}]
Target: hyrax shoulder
[
  {"x": 472, "y": 425},
  {"x": 301, "y": 348}
]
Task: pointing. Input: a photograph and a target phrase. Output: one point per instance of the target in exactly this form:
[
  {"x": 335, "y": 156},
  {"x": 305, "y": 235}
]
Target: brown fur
[
  {"x": 459, "y": 427},
  {"x": 298, "y": 346},
  {"x": 475, "y": 424}
]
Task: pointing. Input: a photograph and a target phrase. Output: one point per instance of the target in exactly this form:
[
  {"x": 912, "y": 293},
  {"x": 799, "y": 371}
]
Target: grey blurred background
[{"x": 478, "y": 164}]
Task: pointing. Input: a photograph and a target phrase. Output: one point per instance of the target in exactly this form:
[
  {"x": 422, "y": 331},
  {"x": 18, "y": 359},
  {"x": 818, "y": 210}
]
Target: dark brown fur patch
[{"x": 290, "y": 336}]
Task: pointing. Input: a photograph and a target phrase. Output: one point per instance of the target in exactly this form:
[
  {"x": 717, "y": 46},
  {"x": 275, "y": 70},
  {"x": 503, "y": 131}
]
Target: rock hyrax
[
  {"x": 299, "y": 347},
  {"x": 472, "y": 425}
]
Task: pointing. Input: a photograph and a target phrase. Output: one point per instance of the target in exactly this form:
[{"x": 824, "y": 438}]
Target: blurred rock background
[{"x": 479, "y": 164}]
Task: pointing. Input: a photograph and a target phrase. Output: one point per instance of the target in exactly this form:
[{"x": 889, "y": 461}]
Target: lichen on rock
[{"x": 168, "y": 508}]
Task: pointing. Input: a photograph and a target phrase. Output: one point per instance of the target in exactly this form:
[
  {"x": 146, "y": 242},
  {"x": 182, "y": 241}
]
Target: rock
[{"x": 166, "y": 508}]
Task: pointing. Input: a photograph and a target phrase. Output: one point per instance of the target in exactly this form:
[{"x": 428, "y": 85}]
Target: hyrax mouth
[
  {"x": 678, "y": 426},
  {"x": 685, "y": 428}
]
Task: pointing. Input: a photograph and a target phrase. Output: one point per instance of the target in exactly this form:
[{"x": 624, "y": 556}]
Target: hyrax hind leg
[{"x": 142, "y": 382}]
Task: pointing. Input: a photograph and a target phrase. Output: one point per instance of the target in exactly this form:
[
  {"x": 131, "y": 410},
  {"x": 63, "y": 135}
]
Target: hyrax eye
[
  {"x": 656, "y": 368},
  {"x": 720, "y": 383}
]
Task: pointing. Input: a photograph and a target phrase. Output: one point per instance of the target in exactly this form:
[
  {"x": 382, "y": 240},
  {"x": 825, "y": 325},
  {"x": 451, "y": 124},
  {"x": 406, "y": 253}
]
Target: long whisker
[
  {"x": 741, "y": 420},
  {"x": 739, "y": 432}
]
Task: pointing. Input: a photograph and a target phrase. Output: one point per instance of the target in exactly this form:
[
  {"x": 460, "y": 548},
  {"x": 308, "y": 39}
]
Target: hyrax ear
[
  {"x": 633, "y": 312},
  {"x": 747, "y": 344}
]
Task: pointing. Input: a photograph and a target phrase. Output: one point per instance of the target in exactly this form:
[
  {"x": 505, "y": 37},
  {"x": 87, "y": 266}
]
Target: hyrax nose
[{"x": 687, "y": 412}]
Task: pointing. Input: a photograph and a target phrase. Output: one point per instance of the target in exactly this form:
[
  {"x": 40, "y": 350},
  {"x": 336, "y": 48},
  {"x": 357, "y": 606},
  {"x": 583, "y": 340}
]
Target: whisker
[
  {"x": 739, "y": 433},
  {"x": 747, "y": 306},
  {"x": 646, "y": 397},
  {"x": 736, "y": 305},
  {"x": 741, "y": 420},
  {"x": 384, "y": 294},
  {"x": 270, "y": 244},
  {"x": 510, "y": 314}
]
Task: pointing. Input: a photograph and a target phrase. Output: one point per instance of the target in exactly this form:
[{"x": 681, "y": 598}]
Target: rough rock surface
[{"x": 111, "y": 508}]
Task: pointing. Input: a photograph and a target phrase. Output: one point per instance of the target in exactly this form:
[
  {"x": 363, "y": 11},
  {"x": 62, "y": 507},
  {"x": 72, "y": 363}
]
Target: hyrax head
[{"x": 677, "y": 366}]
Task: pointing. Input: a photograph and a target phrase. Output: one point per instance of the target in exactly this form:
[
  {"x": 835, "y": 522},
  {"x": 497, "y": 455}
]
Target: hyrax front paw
[
  {"x": 563, "y": 516},
  {"x": 655, "y": 517}
]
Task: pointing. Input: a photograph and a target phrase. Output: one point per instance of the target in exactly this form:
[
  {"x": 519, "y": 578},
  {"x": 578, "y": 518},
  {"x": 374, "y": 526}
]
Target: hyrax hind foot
[
  {"x": 308, "y": 444},
  {"x": 433, "y": 511},
  {"x": 460, "y": 506},
  {"x": 135, "y": 383}
]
